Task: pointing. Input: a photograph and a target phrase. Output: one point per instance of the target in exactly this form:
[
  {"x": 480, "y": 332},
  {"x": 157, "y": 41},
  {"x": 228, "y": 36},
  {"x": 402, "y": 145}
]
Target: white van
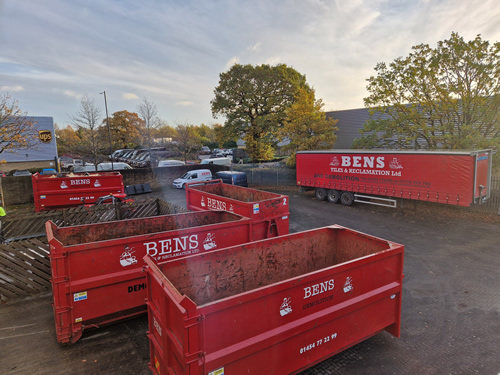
[
  {"x": 170, "y": 163},
  {"x": 198, "y": 175},
  {"x": 218, "y": 161}
]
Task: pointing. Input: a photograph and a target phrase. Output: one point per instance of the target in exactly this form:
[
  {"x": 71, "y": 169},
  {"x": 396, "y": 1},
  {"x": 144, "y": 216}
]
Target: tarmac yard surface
[{"x": 450, "y": 313}]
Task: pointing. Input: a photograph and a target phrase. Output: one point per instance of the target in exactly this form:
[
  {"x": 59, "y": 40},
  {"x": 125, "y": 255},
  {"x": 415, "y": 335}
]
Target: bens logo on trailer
[
  {"x": 362, "y": 161},
  {"x": 372, "y": 165}
]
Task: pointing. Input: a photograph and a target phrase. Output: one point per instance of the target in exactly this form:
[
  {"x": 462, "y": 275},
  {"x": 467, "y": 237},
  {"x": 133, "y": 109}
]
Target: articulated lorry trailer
[{"x": 378, "y": 177}]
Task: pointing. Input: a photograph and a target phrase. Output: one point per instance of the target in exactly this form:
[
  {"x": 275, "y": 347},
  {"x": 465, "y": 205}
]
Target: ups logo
[{"x": 45, "y": 136}]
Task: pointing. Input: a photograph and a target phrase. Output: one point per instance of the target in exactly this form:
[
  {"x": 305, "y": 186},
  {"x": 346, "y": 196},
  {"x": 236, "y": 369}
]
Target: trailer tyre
[
  {"x": 347, "y": 198},
  {"x": 320, "y": 194},
  {"x": 333, "y": 196}
]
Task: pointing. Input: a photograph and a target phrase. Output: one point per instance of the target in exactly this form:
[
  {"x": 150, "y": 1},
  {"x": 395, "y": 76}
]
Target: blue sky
[{"x": 53, "y": 51}]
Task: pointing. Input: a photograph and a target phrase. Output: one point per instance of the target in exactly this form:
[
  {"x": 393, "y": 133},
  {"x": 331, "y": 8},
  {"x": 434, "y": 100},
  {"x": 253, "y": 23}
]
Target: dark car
[{"x": 233, "y": 178}]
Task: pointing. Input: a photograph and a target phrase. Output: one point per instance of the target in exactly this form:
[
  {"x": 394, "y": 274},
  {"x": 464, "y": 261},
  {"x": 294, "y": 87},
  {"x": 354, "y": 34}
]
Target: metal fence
[{"x": 268, "y": 174}]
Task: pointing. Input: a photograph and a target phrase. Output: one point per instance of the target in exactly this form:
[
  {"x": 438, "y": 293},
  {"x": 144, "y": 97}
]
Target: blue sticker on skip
[{"x": 80, "y": 296}]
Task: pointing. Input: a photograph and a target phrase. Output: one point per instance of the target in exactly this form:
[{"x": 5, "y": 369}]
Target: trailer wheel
[
  {"x": 333, "y": 196},
  {"x": 320, "y": 194},
  {"x": 347, "y": 198}
]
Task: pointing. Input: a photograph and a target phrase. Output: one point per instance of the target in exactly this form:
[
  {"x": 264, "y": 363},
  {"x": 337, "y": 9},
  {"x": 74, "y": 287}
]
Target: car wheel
[
  {"x": 347, "y": 198},
  {"x": 333, "y": 196},
  {"x": 320, "y": 194}
]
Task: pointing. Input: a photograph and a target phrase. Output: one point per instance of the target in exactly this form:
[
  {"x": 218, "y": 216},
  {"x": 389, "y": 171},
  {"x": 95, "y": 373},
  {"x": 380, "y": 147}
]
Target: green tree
[
  {"x": 254, "y": 100},
  {"x": 187, "y": 141},
  {"x": 443, "y": 97},
  {"x": 17, "y": 130},
  {"x": 223, "y": 138},
  {"x": 306, "y": 126}
]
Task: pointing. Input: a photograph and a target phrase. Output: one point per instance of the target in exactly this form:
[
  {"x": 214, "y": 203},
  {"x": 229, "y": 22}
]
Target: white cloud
[
  {"x": 274, "y": 60},
  {"x": 335, "y": 43},
  {"x": 130, "y": 96},
  {"x": 72, "y": 94},
  {"x": 12, "y": 88},
  {"x": 255, "y": 47},
  {"x": 185, "y": 103},
  {"x": 232, "y": 61}
]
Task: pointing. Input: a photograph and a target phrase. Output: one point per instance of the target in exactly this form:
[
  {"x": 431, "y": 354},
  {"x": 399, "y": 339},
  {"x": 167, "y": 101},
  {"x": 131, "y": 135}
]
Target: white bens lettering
[
  {"x": 319, "y": 288},
  {"x": 180, "y": 243},
  {"x": 307, "y": 292},
  {"x": 368, "y": 161},
  {"x": 165, "y": 246},
  {"x": 346, "y": 161},
  {"x": 172, "y": 245},
  {"x": 193, "y": 241},
  {"x": 151, "y": 248},
  {"x": 380, "y": 162}
]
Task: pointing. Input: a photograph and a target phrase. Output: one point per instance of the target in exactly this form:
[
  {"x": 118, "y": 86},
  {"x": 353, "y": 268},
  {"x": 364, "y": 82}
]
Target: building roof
[{"x": 349, "y": 124}]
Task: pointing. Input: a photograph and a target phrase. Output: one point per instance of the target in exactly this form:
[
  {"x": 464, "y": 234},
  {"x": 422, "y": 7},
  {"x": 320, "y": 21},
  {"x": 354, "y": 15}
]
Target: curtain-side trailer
[{"x": 379, "y": 177}]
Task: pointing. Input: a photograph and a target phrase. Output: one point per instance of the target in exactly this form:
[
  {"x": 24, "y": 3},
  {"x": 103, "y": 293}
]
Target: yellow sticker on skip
[
  {"x": 79, "y": 296},
  {"x": 217, "y": 372}
]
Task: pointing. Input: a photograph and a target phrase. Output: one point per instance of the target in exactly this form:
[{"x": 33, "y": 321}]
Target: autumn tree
[
  {"x": 444, "y": 97},
  {"x": 187, "y": 141},
  {"x": 87, "y": 120},
  {"x": 254, "y": 100},
  {"x": 17, "y": 130},
  {"x": 127, "y": 130},
  {"x": 67, "y": 140},
  {"x": 306, "y": 125},
  {"x": 164, "y": 132}
]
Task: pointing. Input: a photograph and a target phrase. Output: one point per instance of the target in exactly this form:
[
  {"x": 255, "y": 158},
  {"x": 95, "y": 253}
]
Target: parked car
[
  {"x": 218, "y": 161},
  {"x": 170, "y": 163},
  {"x": 233, "y": 178},
  {"x": 116, "y": 166},
  {"x": 198, "y": 175},
  {"x": 116, "y": 154},
  {"x": 124, "y": 157},
  {"x": 205, "y": 150},
  {"x": 85, "y": 168},
  {"x": 21, "y": 172},
  {"x": 71, "y": 164}
]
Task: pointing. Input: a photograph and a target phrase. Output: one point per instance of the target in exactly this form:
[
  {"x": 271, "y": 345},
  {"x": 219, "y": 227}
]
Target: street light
[{"x": 109, "y": 131}]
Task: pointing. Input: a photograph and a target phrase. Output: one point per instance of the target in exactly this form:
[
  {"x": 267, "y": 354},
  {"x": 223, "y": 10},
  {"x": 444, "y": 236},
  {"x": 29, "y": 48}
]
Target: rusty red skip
[
  {"x": 97, "y": 268},
  {"x": 275, "y": 306},
  {"x": 269, "y": 211}
]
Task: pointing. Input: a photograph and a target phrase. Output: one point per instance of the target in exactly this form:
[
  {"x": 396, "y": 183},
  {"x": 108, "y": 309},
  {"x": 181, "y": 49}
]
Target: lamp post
[{"x": 109, "y": 131}]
